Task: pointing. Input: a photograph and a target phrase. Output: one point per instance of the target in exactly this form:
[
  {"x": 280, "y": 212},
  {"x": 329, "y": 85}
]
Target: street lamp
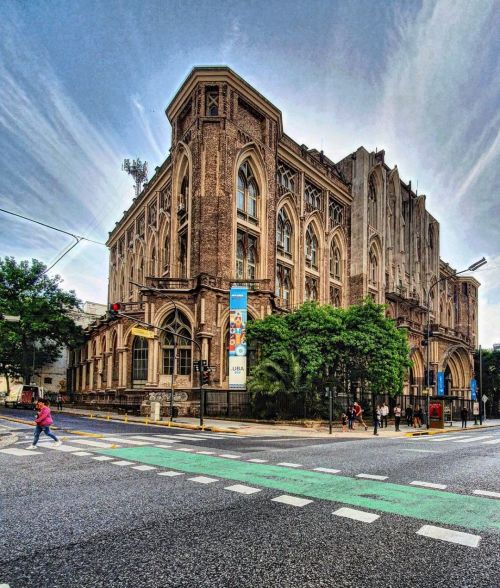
[{"x": 473, "y": 267}]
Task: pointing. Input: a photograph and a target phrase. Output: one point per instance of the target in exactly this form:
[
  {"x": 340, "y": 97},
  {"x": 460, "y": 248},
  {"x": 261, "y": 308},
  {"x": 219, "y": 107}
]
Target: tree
[
  {"x": 45, "y": 326},
  {"x": 332, "y": 346}
]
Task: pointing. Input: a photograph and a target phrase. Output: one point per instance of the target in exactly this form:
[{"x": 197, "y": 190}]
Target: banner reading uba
[{"x": 238, "y": 297}]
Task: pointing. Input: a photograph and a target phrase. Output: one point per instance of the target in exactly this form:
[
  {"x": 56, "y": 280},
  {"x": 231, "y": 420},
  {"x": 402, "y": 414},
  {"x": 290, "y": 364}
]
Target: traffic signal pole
[{"x": 118, "y": 313}]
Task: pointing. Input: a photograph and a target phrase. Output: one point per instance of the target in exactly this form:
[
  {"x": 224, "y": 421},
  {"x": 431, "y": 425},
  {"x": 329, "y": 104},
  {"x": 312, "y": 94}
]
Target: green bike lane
[{"x": 436, "y": 506}]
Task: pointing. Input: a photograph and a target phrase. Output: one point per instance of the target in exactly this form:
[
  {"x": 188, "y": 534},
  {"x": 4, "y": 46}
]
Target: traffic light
[
  {"x": 113, "y": 310},
  {"x": 205, "y": 375}
]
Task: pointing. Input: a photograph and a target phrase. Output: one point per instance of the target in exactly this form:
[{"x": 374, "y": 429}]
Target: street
[{"x": 134, "y": 505}]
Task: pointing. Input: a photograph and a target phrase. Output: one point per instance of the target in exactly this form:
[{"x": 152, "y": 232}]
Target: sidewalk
[{"x": 319, "y": 430}]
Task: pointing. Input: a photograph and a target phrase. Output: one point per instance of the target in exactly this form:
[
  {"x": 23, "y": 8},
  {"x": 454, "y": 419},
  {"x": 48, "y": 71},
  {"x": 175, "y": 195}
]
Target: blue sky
[{"x": 84, "y": 84}]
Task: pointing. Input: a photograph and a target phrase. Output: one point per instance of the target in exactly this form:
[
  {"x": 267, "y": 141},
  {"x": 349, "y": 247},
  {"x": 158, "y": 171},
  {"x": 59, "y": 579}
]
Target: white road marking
[
  {"x": 203, "y": 480},
  {"x": 128, "y": 441},
  {"x": 206, "y": 452},
  {"x": 449, "y": 535},
  {"x": 356, "y": 515},
  {"x": 91, "y": 443},
  {"x": 158, "y": 439},
  {"x": 472, "y": 439},
  {"x": 186, "y": 449},
  {"x": 289, "y": 465},
  {"x": 143, "y": 468},
  {"x": 257, "y": 460},
  {"x": 291, "y": 500},
  {"x": 229, "y": 455},
  {"x": 428, "y": 485},
  {"x": 420, "y": 450},
  {"x": 326, "y": 470},
  {"x": 81, "y": 453},
  {"x": 492, "y": 442},
  {"x": 189, "y": 437},
  {"x": 122, "y": 463},
  {"x": 487, "y": 493},
  {"x": 163, "y": 446},
  {"x": 63, "y": 448},
  {"x": 449, "y": 438},
  {"x": 170, "y": 474},
  {"x": 17, "y": 451},
  {"x": 371, "y": 476},
  {"x": 242, "y": 489},
  {"x": 103, "y": 458}
]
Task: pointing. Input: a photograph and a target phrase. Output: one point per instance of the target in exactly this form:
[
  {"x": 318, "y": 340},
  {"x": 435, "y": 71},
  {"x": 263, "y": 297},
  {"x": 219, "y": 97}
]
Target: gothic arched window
[
  {"x": 335, "y": 261},
  {"x": 246, "y": 256},
  {"x": 179, "y": 324},
  {"x": 311, "y": 248},
  {"x": 372, "y": 203},
  {"x": 373, "y": 269},
  {"x": 284, "y": 233},
  {"x": 247, "y": 194}
]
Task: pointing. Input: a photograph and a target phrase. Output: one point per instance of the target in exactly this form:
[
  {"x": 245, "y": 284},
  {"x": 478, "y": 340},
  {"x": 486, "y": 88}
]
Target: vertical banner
[
  {"x": 238, "y": 297},
  {"x": 473, "y": 389},
  {"x": 440, "y": 383}
]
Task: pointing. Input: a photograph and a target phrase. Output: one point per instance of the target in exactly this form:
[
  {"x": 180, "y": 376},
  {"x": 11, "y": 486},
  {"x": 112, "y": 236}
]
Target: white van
[{"x": 24, "y": 395}]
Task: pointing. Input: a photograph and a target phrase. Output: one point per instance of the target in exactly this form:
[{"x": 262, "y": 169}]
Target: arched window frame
[
  {"x": 311, "y": 254},
  {"x": 372, "y": 203},
  {"x": 247, "y": 255},
  {"x": 179, "y": 323},
  {"x": 373, "y": 269},
  {"x": 335, "y": 261},
  {"x": 284, "y": 234},
  {"x": 247, "y": 194}
]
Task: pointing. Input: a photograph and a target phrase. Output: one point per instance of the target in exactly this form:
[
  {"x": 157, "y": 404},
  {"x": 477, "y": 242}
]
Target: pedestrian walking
[
  {"x": 397, "y": 416},
  {"x": 409, "y": 415},
  {"x": 59, "y": 402},
  {"x": 359, "y": 415},
  {"x": 464, "y": 413},
  {"x": 377, "y": 419},
  {"x": 351, "y": 416},
  {"x": 343, "y": 419},
  {"x": 42, "y": 423},
  {"x": 384, "y": 413}
]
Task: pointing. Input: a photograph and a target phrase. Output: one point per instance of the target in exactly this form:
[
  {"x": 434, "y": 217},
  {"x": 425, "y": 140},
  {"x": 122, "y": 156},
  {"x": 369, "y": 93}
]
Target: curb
[
  {"x": 22, "y": 421},
  {"x": 148, "y": 422},
  {"x": 449, "y": 431}
]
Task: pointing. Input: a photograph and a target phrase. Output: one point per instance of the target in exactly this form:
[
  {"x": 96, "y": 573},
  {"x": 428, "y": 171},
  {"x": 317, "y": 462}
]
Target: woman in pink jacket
[{"x": 43, "y": 422}]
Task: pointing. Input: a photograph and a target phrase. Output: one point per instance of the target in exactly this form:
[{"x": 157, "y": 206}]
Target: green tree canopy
[
  {"x": 45, "y": 325},
  {"x": 326, "y": 346}
]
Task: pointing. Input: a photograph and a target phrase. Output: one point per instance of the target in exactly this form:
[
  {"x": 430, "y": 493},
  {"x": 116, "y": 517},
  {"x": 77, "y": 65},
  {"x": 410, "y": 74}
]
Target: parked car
[{"x": 24, "y": 395}]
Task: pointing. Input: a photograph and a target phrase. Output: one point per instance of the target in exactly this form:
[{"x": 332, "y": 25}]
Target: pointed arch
[{"x": 312, "y": 245}]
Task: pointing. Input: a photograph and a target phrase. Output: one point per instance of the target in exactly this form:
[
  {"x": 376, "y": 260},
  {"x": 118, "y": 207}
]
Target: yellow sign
[{"x": 143, "y": 333}]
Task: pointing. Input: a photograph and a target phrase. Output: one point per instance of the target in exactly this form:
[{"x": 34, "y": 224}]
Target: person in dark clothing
[
  {"x": 464, "y": 413},
  {"x": 351, "y": 415},
  {"x": 409, "y": 415}
]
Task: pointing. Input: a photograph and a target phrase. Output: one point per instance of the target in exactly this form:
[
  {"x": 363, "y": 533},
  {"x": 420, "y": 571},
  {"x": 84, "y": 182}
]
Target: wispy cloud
[{"x": 145, "y": 126}]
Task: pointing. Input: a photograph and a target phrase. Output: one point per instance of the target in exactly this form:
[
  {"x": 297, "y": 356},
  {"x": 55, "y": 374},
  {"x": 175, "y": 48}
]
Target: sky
[{"x": 84, "y": 84}]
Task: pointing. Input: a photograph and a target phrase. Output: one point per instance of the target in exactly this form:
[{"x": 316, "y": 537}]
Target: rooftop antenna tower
[{"x": 138, "y": 170}]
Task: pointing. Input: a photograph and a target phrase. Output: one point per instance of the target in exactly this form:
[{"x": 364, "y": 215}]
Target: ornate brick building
[{"x": 237, "y": 200}]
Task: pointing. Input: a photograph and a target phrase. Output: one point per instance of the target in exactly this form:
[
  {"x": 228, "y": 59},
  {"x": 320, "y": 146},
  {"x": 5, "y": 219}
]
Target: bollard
[
  {"x": 91, "y": 416},
  {"x": 126, "y": 418},
  {"x": 107, "y": 417},
  {"x": 146, "y": 422}
]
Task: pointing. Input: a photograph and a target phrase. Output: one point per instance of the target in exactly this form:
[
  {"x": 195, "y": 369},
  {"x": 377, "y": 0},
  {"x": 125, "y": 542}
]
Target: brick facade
[{"x": 237, "y": 199}]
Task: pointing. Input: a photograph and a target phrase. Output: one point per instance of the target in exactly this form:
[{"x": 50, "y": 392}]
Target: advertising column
[{"x": 237, "y": 338}]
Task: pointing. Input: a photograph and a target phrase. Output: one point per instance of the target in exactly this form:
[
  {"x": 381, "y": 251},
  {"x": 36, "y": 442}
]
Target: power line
[{"x": 31, "y": 220}]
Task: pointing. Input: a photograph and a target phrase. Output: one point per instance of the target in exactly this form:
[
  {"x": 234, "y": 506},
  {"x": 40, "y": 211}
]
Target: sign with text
[
  {"x": 138, "y": 332},
  {"x": 473, "y": 389},
  {"x": 238, "y": 300},
  {"x": 475, "y": 408},
  {"x": 440, "y": 383}
]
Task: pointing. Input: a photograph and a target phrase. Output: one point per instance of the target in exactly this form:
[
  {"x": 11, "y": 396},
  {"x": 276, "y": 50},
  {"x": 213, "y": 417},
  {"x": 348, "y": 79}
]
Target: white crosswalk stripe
[
  {"x": 492, "y": 442},
  {"x": 473, "y": 439},
  {"x": 91, "y": 443},
  {"x": 449, "y": 535},
  {"x": 356, "y": 515}
]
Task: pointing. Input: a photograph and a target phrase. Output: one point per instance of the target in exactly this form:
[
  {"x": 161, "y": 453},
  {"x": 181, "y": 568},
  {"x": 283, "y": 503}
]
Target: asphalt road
[{"x": 75, "y": 518}]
